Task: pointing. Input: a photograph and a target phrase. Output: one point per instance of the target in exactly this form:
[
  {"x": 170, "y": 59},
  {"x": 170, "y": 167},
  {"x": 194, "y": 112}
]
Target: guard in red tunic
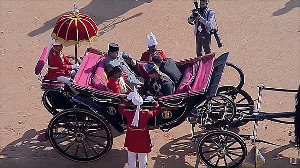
[
  {"x": 59, "y": 64},
  {"x": 152, "y": 50},
  {"x": 137, "y": 140}
]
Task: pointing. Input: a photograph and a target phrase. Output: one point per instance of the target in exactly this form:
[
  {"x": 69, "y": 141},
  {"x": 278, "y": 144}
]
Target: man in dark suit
[{"x": 169, "y": 68}]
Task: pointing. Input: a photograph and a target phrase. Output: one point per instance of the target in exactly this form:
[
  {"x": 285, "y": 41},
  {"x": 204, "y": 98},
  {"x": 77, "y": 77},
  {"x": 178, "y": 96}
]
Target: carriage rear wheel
[
  {"x": 222, "y": 149},
  {"x": 243, "y": 101},
  {"x": 80, "y": 135}
]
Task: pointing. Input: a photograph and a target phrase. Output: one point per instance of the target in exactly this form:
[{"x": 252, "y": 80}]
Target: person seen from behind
[{"x": 169, "y": 68}]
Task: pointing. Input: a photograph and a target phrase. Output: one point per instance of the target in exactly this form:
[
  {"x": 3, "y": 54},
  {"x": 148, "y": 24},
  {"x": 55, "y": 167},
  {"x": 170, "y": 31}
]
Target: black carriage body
[{"x": 174, "y": 108}]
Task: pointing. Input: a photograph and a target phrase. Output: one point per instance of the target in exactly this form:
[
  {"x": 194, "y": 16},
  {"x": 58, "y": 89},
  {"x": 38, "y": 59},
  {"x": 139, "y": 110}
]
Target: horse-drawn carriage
[
  {"x": 84, "y": 110},
  {"x": 85, "y": 102}
]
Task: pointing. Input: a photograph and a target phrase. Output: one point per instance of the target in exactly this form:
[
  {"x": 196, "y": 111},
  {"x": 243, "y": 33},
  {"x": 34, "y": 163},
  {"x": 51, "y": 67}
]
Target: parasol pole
[
  {"x": 76, "y": 53},
  {"x": 75, "y": 10}
]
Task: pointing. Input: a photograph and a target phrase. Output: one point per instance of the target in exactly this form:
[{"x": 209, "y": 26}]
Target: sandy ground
[{"x": 262, "y": 37}]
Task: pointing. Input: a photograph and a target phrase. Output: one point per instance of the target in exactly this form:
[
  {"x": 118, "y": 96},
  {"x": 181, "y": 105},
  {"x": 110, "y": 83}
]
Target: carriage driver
[
  {"x": 116, "y": 58},
  {"x": 160, "y": 84}
]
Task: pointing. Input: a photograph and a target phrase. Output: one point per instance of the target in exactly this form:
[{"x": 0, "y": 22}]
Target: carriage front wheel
[
  {"x": 80, "y": 135},
  {"x": 222, "y": 149}
]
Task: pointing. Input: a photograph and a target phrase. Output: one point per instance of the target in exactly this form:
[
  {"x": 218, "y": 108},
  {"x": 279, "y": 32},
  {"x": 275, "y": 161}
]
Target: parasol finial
[{"x": 75, "y": 10}]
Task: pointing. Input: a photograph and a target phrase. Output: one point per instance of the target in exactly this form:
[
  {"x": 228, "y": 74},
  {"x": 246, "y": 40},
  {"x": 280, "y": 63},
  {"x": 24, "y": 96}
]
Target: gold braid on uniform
[{"x": 152, "y": 54}]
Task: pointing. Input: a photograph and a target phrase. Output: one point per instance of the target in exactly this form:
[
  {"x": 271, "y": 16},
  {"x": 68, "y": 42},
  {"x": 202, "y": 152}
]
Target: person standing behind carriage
[
  {"x": 116, "y": 58},
  {"x": 152, "y": 50},
  {"x": 137, "y": 139},
  {"x": 58, "y": 63},
  {"x": 203, "y": 21}
]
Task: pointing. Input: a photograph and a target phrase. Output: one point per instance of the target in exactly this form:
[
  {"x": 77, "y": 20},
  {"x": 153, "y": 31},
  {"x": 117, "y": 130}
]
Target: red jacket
[
  {"x": 58, "y": 65},
  {"x": 114, "y": 85},
  {"x": 146, "y": 56},
  {"x": 138, "y": 138}
]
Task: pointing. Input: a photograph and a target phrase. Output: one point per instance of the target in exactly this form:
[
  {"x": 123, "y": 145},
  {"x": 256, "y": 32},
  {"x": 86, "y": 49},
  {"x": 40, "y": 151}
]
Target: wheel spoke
[
  {"x": 64, "y": 140},
  {"x": 87, "y": 127},
  {"x": 211, "y": 157},
  {"x": 215, "y": 142},
  {"x": 69, "y": 146},
  {"x": 235, "y": 148},
  {"x": 95, "y": 142},
  {"x": 92, "y": 147},
  {"x": 98, "y": 136},
  {"x": 93, "y": 131},
  {"x": 76, "y": 152},
  {"x": 71, "y": 125},
  {"x": 210, "y": 146},
  {"x": 58, "y": 134},
  {"x": 76, "y": 120},
  {"x": 225, "y": 161},
  {"x": 230, "y": 144},
  {"x": 217, "y": 162},
  {"x": 230, "y": 158},
  {"x": 210, "y": 151},
  {"x": 234, "y": 154},
  {"x": 85, "y": 151}
]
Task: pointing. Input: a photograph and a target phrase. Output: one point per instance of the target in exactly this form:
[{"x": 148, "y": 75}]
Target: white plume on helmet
[{"x": 151, "y": 40}]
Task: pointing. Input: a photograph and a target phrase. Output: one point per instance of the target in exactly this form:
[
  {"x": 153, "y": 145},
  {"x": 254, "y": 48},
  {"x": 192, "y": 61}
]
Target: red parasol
[{"x": 75, "y": 28}]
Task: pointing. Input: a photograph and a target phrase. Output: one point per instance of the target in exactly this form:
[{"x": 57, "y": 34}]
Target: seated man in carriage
[
  {"x": 152, "y": 50},
  {"x": 168, "y": 67},
  {"x": 116, "y": 58},
  {"x": 160, "y": 84}
]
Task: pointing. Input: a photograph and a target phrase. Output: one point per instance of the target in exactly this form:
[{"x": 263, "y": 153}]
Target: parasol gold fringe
[{"x": 73, "y": 42}]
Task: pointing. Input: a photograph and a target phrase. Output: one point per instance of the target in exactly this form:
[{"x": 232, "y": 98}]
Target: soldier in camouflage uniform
[{"x": 160, "y": 84}]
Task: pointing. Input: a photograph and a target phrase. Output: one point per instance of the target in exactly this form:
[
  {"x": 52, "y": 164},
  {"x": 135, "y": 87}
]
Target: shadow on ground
[
  {"x": 28, "y": 151},
  {"x": 174, "y": 153},
  {"x": 287, "y": 8},
  {"x": 105, "y": 13}
]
